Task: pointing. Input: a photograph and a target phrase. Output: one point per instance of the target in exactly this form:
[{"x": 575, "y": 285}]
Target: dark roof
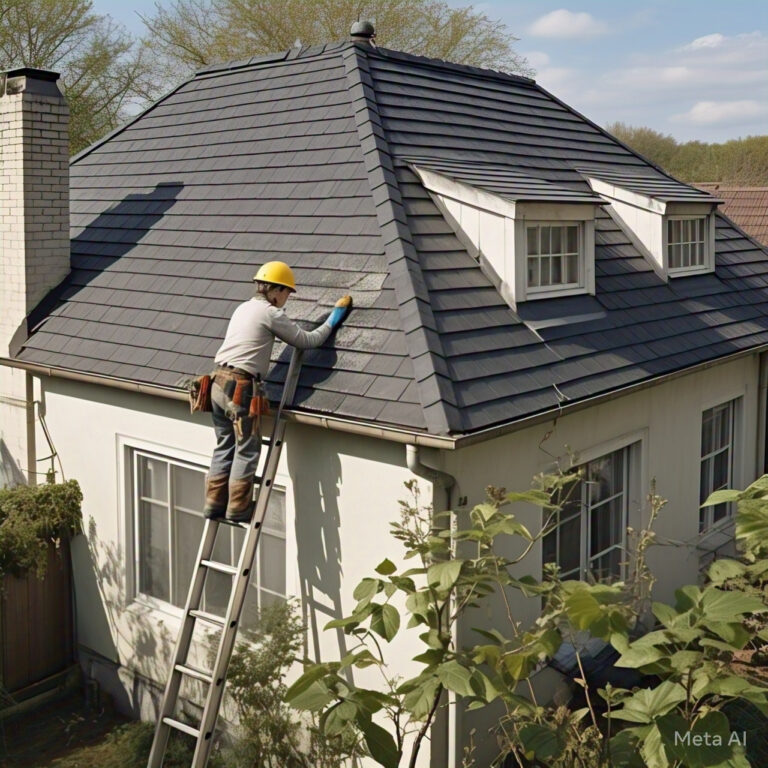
[
  {"x": 653, "y": 185},
  {"x": 745, "y": 206},
  {"x": 305, "y": 156},
  {"x": 504, "y": 181}
]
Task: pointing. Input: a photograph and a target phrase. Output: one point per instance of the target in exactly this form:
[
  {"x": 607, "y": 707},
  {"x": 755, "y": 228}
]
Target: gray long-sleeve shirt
[{"x": 252, "y": 331}]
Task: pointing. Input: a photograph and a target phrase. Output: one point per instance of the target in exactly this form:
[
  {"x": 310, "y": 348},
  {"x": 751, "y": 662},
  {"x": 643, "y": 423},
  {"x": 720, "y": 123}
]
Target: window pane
[
  {"x": 670, "y": 232},
  {"x": 557, "y": 240},
  {"x": 545, "y": 239},
  {"x": 608, "y": 566},
  {"x": 187, "y": 532},
  {"x": 268, "y": 600},
  {"x": 720, "y": 467},
  {"x": 219, "y": 585},
  {"x": 674, "y": 256},
  {"x": 676, "y": 235},
  {"x": 707, "y": 423},
  {"x": 570, "y": 544},
  {"x": 153, "y": 551},
  {"x": 606, "y": 476},
  {"x": 533, "y": 240},
  {"x": 275, "y": 517},
  {"x": 153, "y": 479},
  {"x": 272, "y": 557},
  {"x": 605, "y": 525},
  {"x": 188, "y": 487},
  {"x": 549, "y": 548},
  {"x": 573, "y": 239},
  {"x": 533, "y": 272},
  {"x": 556, "y": 263},
  {"x": 723, "y": 427},
  {"x": 545, "y": 278},
  {"x": 705, "y": 481},
  {"x": 572, "y": 267}
]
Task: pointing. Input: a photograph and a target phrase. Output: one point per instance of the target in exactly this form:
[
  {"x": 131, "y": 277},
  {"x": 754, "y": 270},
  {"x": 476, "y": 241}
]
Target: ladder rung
[
  {"x": 221, "y": 567},
  {"x": 211, "y": 618},
  {"x": 183, "y": 727},
  {"x": 198, "y": 674},
  {"x": 235, "y": 524}
]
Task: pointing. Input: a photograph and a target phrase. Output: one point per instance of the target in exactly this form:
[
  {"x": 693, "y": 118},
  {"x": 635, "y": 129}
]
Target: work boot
[
  {"x": 240, "y": 507},
  {"x": 216, "y": 496}
]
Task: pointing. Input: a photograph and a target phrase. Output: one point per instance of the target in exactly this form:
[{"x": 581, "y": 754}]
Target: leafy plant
[
  {"x": 269, "y": 734},
  {"x": 31, "y": 517}
]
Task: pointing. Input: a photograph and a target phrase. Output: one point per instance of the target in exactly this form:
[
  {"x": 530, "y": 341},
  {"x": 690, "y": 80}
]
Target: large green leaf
[
  {"x": 722, "y": 570},
  {"x": 455, "y": 677},
  {"x": 647, "y": 704},
  {"x": 386, "y": 622},
  {"x": 420, "y": 699},
  {"x": 386, "y": 567},
  {"x": 624, "y": 750},
  {"x": 652, "y": 749},
  {"x": 721, "y": 497},
  {"x": 540, "y": 741},
  {"x": 309, "y": 692},
  {"x": 724, "y": 605},
  {"x": 365, "y": 591},
  {"x": 380, "y": 743},
  {"x": 703, "y": 744},
  {"x": 445, "y": 574},
  {"x": 335, "y": 719}
]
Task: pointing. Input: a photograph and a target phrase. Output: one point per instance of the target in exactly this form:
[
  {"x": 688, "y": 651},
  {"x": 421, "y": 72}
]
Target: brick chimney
[{"x": 34, "y": 231}]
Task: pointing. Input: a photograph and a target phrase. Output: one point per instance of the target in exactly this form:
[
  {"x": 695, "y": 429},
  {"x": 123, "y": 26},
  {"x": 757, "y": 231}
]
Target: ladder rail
[
  {"x": 241, "y": 576},
  {"x": 245, "y": 564}
]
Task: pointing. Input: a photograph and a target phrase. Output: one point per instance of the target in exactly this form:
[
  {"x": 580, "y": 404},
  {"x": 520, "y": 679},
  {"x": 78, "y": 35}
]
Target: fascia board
[{"x": 464, "y": 193}]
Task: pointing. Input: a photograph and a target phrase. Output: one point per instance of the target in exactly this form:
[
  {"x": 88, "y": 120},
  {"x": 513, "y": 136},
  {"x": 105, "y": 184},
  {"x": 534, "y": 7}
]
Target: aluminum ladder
[{"x": 216, "y": 678}]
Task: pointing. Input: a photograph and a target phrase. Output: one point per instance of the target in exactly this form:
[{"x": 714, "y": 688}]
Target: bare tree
[
  {"x": 197, "y": 33},
  {"x": 103, "y": 68}
]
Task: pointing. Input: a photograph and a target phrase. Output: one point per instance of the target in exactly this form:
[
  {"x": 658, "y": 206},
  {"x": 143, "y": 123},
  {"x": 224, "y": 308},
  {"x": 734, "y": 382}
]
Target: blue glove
[{"x": 339, "y": 312}]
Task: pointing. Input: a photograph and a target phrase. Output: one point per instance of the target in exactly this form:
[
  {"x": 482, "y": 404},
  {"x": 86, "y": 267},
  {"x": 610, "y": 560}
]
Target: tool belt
[
  {"x": 245, "y": 397},
  {"x": 199, "y": 391}
]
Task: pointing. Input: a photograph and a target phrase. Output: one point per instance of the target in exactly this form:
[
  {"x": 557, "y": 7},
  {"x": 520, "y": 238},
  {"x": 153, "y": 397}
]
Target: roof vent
[{"x": 362, "y": 32}]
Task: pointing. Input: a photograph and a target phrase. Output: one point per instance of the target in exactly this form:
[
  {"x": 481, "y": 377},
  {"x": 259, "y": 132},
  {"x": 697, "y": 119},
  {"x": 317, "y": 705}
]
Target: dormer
[
  {"x": 532, "y": 238},
  {"x": 671, "y": 224}
]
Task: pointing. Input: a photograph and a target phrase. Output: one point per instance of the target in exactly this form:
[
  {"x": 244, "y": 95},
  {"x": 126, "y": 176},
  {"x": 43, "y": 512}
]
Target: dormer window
[
  {"x": 554, "y": 257},
  {"x": 670, "y": 223},
  {"x": 686, "y": 243},
  {"x": 533, "y": 239}
]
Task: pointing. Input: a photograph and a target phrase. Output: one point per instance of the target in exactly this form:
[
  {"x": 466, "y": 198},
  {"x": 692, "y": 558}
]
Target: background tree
[
  {"x": 103, "y": 69},
  {"x": 737, "y": 162},
  {"x": 197, "y": 33}
]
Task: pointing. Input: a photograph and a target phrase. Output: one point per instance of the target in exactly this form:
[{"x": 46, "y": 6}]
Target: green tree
[
  {"x": 197, "y": 33},
  {"x": 103, "y": 68}
]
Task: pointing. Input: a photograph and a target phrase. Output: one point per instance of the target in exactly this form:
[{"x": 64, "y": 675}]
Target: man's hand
[{"x": 343, "y": 305}]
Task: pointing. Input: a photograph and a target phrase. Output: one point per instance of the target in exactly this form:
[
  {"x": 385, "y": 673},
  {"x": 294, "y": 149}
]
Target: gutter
[
  {"x": 395, "y": 434},
  {"x": 366, "y": 429}
]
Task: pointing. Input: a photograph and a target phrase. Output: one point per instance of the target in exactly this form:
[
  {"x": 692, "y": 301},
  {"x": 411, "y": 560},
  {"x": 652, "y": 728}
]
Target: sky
[{"x": 694, "y": 69}]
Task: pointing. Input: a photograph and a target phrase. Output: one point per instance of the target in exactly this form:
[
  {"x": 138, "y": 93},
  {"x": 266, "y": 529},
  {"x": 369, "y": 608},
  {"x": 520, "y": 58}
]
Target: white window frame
[
  {"x": 635, "y": 446},
  {"x": 128, "y": 448},
  {"x": 540, "y": 291},
  {"x": 692, "y": 269},
  {"x": 707, "y": 523}
]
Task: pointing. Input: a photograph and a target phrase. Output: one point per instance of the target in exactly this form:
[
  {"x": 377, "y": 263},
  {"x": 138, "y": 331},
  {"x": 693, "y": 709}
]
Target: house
[
  {"x": 745, "y": 206},
  {"x": 524, "y": 285}
]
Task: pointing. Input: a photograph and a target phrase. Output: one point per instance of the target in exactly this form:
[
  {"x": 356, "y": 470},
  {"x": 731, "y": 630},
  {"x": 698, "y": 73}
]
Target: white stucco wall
[
  {"x": 667, "y": 420},
  {"x": 341, "y": 495}
]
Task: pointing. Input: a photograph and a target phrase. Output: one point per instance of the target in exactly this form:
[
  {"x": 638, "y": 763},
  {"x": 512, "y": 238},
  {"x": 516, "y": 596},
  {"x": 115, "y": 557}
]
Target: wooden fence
[{"x": 36, "y": 637}]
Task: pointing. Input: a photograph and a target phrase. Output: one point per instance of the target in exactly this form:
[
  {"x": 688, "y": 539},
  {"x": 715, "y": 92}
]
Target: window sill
[{"x": 534, "y": 295}]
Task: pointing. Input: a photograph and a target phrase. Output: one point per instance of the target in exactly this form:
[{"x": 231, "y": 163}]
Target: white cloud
[
  {"x": 710, "y": 112},
  {"x": 708, "y": 41},
  {"x": 537, "y": 59},
  {"x": 567, "y": 24}
]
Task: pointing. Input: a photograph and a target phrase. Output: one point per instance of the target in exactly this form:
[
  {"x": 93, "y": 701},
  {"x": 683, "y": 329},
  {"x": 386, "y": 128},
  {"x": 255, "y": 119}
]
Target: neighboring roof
[
  {"x": 745, "y": 206},
  {"x": 653, "y": 185},
  {"x": 504, "y": 181},
  {"x": 305, "y": 157}
]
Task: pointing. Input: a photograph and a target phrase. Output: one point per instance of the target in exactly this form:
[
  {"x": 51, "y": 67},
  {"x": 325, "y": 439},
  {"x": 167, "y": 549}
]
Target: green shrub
[{"x": 31, "y": 517}]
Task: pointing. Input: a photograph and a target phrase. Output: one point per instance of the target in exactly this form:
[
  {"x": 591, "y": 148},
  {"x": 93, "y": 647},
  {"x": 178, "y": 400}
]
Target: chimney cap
[
  {"x": 362, "y": 31},
  {"x": 34, "y": 74}
]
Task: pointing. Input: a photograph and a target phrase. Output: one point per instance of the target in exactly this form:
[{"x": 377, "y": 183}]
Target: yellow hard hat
[{"x": 277, "y": 272}]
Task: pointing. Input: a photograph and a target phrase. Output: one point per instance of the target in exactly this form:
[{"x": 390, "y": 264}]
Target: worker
[{"x": 242, "y": 362}]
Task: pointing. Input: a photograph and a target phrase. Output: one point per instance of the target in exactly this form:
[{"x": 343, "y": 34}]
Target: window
[
  {"x": 686, "y": 240},
  {"x": 552, "y": 256},
  {"x": 590, "y": 534},
  {"x": 168, "y": 525},
  {"x": 717, "y": 446}
]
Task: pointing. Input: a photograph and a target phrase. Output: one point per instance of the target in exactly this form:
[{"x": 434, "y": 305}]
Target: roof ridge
[
  {"x": 433, "y": 382},
  {"x": 496, "y": 74}
]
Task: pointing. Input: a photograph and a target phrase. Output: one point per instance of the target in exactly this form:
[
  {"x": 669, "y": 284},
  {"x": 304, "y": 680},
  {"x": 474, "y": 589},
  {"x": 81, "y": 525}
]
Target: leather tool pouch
[
  {"x": 259, "y": 402},
  {"x": 200, "y": 394}
]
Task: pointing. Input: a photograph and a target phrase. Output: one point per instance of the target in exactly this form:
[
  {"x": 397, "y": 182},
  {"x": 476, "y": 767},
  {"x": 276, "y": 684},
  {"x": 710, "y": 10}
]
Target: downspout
[
  {"x": 444, "y": 726},
  {"x": 29, "y": 408},
  {"x": 762, "y": 416}
]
